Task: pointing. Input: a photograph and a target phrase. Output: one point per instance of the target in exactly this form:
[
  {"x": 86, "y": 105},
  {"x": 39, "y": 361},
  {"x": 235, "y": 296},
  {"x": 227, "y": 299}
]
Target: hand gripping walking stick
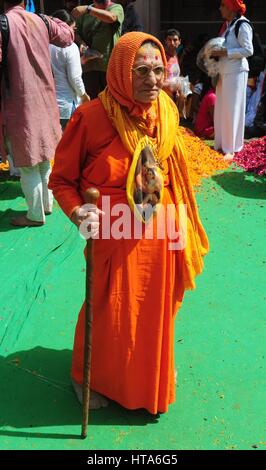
[{"x": 91, "y": 197}]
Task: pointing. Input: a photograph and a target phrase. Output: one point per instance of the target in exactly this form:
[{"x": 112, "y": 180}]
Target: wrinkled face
[
  {"x": 172, "y": 43},
  {"x": 147, "y": 74},
  {"x": 226, "y": 12}
]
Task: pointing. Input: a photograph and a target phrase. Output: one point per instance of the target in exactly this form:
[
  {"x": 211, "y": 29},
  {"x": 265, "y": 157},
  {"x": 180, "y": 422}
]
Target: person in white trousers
[{"x": 229, "y": 113}]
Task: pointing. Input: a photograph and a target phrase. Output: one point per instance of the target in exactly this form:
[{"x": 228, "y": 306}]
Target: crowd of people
[
  {"x": 204, "y": 96},
  {"x": 87, "y": 88}
]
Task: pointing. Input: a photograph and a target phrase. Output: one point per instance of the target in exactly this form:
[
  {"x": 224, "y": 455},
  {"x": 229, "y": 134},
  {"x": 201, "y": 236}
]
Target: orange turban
[
  {"x": 236, "y": 5},
  {"x": 119, "y": 72}
]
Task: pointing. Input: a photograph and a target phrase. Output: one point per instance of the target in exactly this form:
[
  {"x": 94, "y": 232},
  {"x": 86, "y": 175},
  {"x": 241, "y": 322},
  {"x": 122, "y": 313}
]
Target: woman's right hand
[{"x": 86, "y": 218}]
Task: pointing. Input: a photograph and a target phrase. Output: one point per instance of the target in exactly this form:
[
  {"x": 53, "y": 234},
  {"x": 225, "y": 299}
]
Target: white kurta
[
  {"x": 229, "y": 114},
  {"x": 67, "y": 73}
]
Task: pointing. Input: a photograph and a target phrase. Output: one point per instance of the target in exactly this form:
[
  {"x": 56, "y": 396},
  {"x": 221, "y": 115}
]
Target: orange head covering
[
  {"x": 236, "y": 5},
  {"x": 119, "y": 73}
]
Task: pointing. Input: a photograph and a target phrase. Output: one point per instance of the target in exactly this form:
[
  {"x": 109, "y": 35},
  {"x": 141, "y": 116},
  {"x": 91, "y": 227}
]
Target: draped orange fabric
[{"x": 138, "y": 283}]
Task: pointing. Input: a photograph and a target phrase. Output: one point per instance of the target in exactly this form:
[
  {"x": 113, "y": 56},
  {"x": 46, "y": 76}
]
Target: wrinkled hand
[
  {"x": 79, "y": 11},
  {"x": 86, "y": 218}
]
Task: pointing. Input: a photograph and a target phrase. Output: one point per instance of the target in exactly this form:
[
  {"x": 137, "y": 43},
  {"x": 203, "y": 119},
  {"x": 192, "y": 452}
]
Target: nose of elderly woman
[{"x": 151, "y": 79}]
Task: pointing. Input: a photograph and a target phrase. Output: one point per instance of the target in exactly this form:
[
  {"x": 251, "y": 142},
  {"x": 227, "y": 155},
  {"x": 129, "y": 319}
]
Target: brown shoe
[{"x": 23, "y": 221}]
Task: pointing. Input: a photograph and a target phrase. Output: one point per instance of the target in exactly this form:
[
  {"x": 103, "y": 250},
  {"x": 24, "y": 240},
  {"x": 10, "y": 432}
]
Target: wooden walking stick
[{"x": 91, "y": 197}]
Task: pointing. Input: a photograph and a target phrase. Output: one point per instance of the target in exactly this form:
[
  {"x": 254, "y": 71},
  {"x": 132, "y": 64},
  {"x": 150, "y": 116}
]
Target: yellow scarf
[{"x": 170, "y": 148}]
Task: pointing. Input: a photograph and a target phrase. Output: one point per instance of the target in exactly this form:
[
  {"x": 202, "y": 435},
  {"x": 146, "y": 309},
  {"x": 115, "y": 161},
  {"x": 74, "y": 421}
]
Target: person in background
[
  {"x": 258, "y": 127},
  {"x": 188, "y": 56},
  {"x": 29, "y": 109},
  {"x": 99, "y": 26},
  {"x": 67, "y": 73},
  {"x": 30, "y": 6},
  {"x": 176, "y": 86},
  {"x": 196, "y": 87},
  {"x": 260, "y": 119},
  {"x": 69, "y": 5},
  {"x": 204, "y": 123},
  {"x": 254, "y": 93},
  {"x": 13, "y": 171},
  {"x": 230, "y": 106},
  {"x": 196, "y": 76},
  {"x": 172, "y": 42},
  {"x": 132, "y": 20}
]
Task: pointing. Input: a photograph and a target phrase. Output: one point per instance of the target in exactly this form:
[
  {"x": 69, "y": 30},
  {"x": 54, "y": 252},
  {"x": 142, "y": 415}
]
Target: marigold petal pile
[
  {"x": 4, "y": 166},
  {"x": 203, "y": 161}
]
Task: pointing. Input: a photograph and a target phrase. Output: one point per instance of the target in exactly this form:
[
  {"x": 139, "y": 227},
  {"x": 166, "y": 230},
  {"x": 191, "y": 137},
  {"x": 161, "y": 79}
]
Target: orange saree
[
  {"x": 135, "y": 289},
  {"x": 138, "y": 283}
]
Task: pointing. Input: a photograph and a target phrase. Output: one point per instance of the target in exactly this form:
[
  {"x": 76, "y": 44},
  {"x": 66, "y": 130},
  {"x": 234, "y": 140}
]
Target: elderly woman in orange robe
[{"x": 138, "y": 282}]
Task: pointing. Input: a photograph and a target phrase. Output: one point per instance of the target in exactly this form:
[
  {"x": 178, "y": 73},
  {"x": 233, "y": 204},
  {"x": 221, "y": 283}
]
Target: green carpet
[{"x": 219, "y": 342}]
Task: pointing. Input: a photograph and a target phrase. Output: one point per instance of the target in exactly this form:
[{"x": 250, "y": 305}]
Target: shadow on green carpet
[
  {"x": 240, "y": 184},
  {"x": 5, "y": 219},
  {"x": 10, "y": 188},
  {"x": 36, "y": 392}
]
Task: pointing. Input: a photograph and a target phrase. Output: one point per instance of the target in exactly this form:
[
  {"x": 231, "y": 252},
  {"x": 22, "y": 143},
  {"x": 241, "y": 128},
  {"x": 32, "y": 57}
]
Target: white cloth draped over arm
[
  {"x": 245, "y": 36},
  {"x": 74, "y": 70}
]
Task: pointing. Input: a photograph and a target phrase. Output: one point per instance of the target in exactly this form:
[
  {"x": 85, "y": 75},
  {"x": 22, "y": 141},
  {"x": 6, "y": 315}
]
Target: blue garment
[{"x": 30, "y": 6}]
